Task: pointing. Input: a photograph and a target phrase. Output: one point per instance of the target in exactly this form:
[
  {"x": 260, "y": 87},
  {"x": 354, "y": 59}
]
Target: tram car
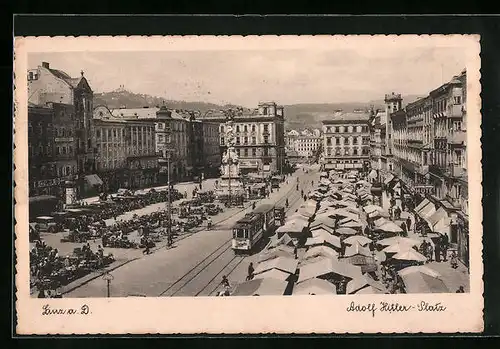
[{"x": 249, "y": 231}]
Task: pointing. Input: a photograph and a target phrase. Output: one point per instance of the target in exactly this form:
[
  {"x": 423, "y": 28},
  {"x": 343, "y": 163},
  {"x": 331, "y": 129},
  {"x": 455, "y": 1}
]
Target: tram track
[{"x": 185, "y": 281}]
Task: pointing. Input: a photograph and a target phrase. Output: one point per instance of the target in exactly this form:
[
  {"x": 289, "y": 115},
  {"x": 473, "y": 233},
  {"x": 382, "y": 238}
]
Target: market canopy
[
  {"x": 357, "y": 284},
  {"x": 357, "y": 250},
  {"x": 320, "y": 229},
  {"x": 398, "y": 248},
  {"x": 410, "y": 255},
  {"x": 295, "y": 226},
  {"x": 346, "y": 231},
  {"x": 357, "y": 239},
  {"x": 288, "y": 265},
  {"x": 327, "y": 266},
  {"x": 421, "y": 205},
  {"x": 272, "y": 254},
  {"x": 273, "y": 274},
  {"x": 389, "y": 227},
  {"x": 320, "y": 251},
  {"x": 352, "y": 224},
  {"x": 324, "y": 239},
  {"x": 372, "y": 208},
  {"x": 399, "y": 240},
  {"x": 314, "y": 287},
  {"x": 419, "y": 269},
  {"x": 261, "y": 287},
  {"x": 421, "y": 282}
]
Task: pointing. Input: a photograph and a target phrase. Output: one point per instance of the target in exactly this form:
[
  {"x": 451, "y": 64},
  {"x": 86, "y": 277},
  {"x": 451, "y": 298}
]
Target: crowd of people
[{"x": 49, "y": 270}]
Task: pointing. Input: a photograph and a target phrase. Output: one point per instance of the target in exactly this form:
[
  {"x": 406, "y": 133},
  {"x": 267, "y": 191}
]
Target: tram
[{"x": 248, "y": 231}]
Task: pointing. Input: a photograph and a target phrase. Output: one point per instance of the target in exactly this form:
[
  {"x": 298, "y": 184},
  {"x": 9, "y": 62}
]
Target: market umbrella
[
  {"x": 357, "y": 239},
  {"x": 421, "y": 282},
  {"x": 327, "y": 266},
  {"x": 346, "y": 231},
  {"x": 271, "y": 254},
  {"x": 357, "y": 250},
  {"x": 410, "y": 255},
  {"x": 390, "y": 227},
  {"x": 320, "y": 251},
  {"x": 352, "y": 224},
  {"x": 405, "y": 215},
  {"x": 379, "y": 214},
  {"x": 398, "y": 248},
  {"x": 273, "y": 274},
  {"x": 419, "y": 269},
  {"x": 320, "y": 229},
  {"x": 399, "y": 240},
  {"x": 359, "y": 283},
  {"x": 261, "y": 287},
  {"x": 324, "y": 239},
  {"x": 314, "y": 286},
  {"x": 369, "y": 290},
  {"x": 372, "y": 208}
]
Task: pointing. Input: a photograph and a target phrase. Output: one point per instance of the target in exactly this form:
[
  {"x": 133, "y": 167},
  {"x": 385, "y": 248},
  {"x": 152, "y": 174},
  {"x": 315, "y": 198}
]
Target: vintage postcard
[{"x": 259, "y": 184}]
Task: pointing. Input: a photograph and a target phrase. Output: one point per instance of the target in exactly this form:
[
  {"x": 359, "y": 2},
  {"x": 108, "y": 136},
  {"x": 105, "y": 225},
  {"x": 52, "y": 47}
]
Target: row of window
[
  {"x": 346, "y": 151},
  {"x": 350, "y": 140},
  {"x": 47, "y": 171},
  {"x": 342, "y": 129},
  {"x": 244, "y": 140},
  {"x": 246, "y": 128}
]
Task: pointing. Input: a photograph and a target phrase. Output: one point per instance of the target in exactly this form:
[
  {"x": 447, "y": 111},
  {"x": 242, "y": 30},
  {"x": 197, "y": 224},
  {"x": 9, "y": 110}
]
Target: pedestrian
[
  {"x": 408, "y": 223},
  {"x": 146, "y": 250},
  {"x": 403, "y": 228},
  {"x": 430, "y": 251},
  {"x": 444, "y": 239},
  {"x": 295, "y": 251},
  {"x": 225, "y": 281},
  {"x": 453, "y": 260},
  {"x": 437, "y": 252},
  {"x": 250, "y": 272},
  {"x": 460, "y": 290}
]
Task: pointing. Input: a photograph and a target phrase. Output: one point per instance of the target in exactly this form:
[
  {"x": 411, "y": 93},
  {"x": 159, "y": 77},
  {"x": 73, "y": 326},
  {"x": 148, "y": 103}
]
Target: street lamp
[{"x": 108, "y": 278}]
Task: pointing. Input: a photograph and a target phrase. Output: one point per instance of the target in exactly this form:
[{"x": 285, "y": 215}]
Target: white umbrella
[
  {"x": 399, "y": 240},
  {"x": 372, "y": 208},
  {"x": 346, "y": 231},
  {"x": 390, "y": 227},
  {"x": 398, "y": 248},
  {"x": 360, "y": 239},
  {"x": 410, "y": 255}
]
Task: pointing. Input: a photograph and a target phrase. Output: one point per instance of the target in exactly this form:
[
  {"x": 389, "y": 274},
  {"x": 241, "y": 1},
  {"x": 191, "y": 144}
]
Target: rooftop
[{"x": 346, "y": 116}]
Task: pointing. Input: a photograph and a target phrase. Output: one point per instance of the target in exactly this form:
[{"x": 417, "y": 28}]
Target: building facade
[
  {"x": 259, "y": 138},
  {"x": 428, "y": 145},
  {"x": 126, "y": 151},
  {"x": 346, "y": 140},
  {"x": 48, "y": 85},
  {"x": 306, "y": 144}
]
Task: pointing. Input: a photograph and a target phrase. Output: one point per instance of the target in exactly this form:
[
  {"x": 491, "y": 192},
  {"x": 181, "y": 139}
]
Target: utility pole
[{"x": 169, "y": 207}]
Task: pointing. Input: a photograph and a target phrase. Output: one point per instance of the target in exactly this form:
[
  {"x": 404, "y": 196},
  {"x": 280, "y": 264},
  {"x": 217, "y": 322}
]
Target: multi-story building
[
  {"x": 211, "y": 149},
  {"x": 47, "y": 85},
  {"x": 125, "y": 147},
  {"x": 429, "y": 156},
  {"x": 51, "y": 147},
  {"x": 346, "y": 140},
  {"x": 260, "y": 138},
  {"x": 306, "y": 144}
]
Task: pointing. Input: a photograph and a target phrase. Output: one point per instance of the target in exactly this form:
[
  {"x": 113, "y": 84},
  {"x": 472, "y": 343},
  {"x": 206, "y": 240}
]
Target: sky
[{"x": 247, "y": 77}]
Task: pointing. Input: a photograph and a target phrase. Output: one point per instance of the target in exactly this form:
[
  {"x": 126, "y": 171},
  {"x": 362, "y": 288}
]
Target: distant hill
[
  {"x": 126, "y": 99},
  {"x": 300, "y": 116},
  {"x": 297, "y": 116}
]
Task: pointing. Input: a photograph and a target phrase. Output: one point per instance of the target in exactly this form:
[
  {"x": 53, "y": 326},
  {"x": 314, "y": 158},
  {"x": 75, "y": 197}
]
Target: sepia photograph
[{"x": 251, "y": 168}]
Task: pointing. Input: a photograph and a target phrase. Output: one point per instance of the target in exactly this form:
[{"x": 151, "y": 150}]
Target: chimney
[{"x": 46, "y": 65}]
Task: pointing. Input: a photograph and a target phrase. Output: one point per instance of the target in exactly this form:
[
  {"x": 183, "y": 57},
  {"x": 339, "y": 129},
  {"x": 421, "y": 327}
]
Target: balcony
[
  {"x": 455, "y": 111},
  {"x": 456, "y": 171},
  {"x": 457, "y": 138},
  {"x": 436, "y": 169}
]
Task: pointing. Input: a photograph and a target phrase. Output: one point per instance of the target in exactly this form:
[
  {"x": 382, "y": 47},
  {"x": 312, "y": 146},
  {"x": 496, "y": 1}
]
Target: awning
[
  {"x": 442, "y": 226},
  {"x": 389, "y": 178},
  {"x": 436, "y": 217},
  {"x": 439, "y": 115},
  {"x": 421, "y": 205},
  {"x": 93, "y": 179},
  {"x": 427, "y": 211},
  {"x": 41, "y": 198}
]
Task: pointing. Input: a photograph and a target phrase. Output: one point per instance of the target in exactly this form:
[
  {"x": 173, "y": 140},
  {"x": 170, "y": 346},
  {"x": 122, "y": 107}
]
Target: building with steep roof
[{"x": 48, "y": 85}]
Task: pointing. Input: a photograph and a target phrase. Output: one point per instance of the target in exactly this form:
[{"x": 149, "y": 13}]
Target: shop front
[{"x": 462, "y": 228}]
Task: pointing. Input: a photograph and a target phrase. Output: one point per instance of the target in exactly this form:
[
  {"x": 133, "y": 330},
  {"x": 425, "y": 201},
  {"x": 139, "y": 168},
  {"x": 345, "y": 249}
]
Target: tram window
[
  {"x": 240, "y": 233},
  {"x": 246, "y": 233}
]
